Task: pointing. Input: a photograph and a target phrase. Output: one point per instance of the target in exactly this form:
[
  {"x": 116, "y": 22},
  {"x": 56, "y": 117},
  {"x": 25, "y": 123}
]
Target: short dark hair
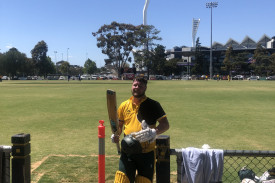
[{"x": 141, "y": 80}]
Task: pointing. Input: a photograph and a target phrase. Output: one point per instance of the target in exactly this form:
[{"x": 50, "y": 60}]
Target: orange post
[{"x": 101, "y": 154}]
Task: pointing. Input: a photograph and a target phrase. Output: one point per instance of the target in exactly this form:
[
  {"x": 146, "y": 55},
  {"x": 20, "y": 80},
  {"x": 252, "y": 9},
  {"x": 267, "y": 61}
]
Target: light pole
[
  {"x": 145, "y": 12},
  {"x": 67, "y": 54},
  {"x": 145, "y": 46},
  {"x": 196, "y": 23},
  {"x": 68, "y": 62},
  {"x": 55, "y": 52},
  {"x": 211, "y": 5}
]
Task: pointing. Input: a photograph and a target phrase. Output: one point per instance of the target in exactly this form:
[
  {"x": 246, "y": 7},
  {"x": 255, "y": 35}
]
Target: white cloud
[{"x": 9, "y": 46}]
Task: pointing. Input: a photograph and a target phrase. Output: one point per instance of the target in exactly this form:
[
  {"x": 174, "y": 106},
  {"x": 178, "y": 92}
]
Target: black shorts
[{"x": 144, "y": 163}]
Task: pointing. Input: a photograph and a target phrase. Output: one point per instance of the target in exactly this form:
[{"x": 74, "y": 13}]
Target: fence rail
[{"x": 234, "y": 160}]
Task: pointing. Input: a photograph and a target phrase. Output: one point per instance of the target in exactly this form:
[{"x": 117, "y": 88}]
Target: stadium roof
[{"x": 247, "y": 43}]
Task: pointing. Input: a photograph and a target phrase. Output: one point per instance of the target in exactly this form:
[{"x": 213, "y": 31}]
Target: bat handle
[{"x": 118, "y": 148}]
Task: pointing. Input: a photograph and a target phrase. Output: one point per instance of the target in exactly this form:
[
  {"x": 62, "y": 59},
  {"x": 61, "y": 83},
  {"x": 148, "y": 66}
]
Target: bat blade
[{"x": 112, "y": 112}]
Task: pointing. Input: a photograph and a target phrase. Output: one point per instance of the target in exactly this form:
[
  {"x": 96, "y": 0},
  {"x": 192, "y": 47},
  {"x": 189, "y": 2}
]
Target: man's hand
[
  {"x": 149, "y": 134},
  {"x": 146, "y": 134},
  {"x": 115, "y": 138}
]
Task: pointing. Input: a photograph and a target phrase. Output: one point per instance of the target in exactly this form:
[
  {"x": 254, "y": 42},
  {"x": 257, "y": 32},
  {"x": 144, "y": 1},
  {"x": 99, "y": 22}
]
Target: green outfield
[{"x": 62, "y": 118}]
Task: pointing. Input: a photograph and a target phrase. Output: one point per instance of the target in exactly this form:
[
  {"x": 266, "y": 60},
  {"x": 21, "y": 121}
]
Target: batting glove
[
  {"x": 149, "y": 134},
  {"x": 144, "y": 125},
  {"x": 114, "y": 138}
]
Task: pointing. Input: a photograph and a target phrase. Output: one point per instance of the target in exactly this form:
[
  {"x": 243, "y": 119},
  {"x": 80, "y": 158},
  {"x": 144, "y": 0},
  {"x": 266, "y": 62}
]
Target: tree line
[
  {"x": 13, "y": 63},
  {"x": 262, "y": 63},
  {"x": 121, "y": 43}
]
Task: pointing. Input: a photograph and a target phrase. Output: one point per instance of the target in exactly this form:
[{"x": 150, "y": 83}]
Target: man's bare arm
[{"x": 163, "y": 126}]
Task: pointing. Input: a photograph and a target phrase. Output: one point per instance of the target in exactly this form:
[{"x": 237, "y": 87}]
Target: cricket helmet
[{"x": 130, "y": 145}]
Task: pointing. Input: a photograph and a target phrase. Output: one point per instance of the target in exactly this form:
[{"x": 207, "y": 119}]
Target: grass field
[{"x": 62, "y": 118}]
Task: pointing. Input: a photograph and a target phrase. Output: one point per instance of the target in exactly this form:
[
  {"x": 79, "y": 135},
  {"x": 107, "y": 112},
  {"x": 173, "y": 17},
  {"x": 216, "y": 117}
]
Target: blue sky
[{"x": 64, "y": 24}]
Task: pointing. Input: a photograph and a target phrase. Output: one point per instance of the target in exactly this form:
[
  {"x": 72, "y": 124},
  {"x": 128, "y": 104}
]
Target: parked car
[
  {"x": 177, "y": 77},
  {"x": 186, "y": 77},
  {"x": 85, "y": 77},
  {"x": 22, "y": 78},
  {"x": 238, "y": 77},
  {"x": 62, "y": 78},
  {"x": 114, "y": 78},
  {"x": 253, "y": 78},
  {"x": 14, "y": 78},
  {"x": 74, "y": 78},
  {"x": 35, "y": 77},
  {"x": 270, "y": 78},
  {"x": 102, "y": 77},
  {"x": 160, "y": 77},
  {"x": 5, "y": 78},
  {"x": 152, "y": 77},
  {"x": 94, "y": 77},
  {"x": 128, "y": 76},
  {"x": 52, "y": 77},
  {"x": 110, "y": 76}
]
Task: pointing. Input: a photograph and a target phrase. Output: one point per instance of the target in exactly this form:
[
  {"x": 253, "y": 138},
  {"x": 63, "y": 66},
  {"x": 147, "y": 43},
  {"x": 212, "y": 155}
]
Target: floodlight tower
[
  {"x": 145, "y": 45},
  {"x": 211, "y": 5},
  {"x": 196, "y": 23},
  {"x": 145, "y": 17},
  {"x": 145, "y": 12}
]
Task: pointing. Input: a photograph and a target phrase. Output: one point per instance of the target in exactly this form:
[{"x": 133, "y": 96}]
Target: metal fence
[{"x": 258, "y": 161}]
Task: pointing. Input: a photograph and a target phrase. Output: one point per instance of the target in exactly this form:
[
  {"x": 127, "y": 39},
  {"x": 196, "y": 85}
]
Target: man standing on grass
[{"x": 139, "y": 116}]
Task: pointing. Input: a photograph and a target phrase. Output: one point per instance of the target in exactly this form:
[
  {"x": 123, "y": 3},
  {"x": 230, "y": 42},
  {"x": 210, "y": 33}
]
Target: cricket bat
[{"x": 112, "y": 112}]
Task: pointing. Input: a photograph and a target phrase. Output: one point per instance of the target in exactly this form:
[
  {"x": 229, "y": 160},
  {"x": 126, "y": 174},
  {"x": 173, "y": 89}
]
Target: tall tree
[
  {"x": 148, "y": 35},
  {"x": 14, "y": 62},
  {"x": 261, "y": 61},
  {"x": 171, "y": 67},
  {"x": 272, "y": 65},
  {"x": 117, "y": 41},
  {"x": 41, "y": 61},
  {"x": 90, "y": 67},
  {"x": 241, "y": 65},
  {"x": 2, "y": 69},
  {"x": 76, "y": 70},
  {"x": 158, "y": 60},
  {"x": 65, "y": 67},
  {"x": 198, "y": 66},
  {"x": 228, "y": 60}
]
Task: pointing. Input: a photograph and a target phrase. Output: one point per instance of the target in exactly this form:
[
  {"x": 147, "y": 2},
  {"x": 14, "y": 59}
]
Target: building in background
[{"x": 187, "y": 54}]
